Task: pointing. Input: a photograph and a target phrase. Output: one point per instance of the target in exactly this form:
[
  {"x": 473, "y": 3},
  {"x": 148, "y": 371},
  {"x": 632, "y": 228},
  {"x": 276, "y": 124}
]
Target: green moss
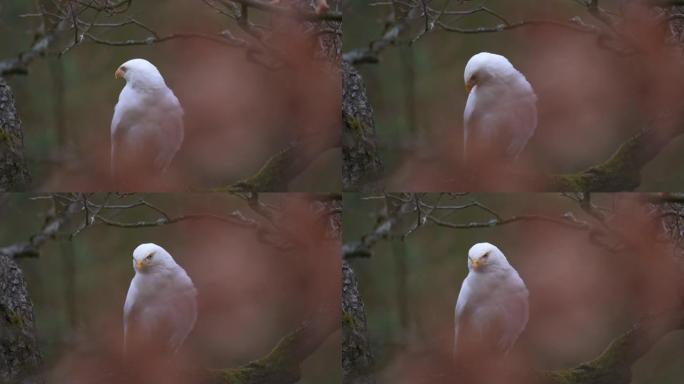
[
  {"x": 348, "y": 320},
  {"x": 612, "y": 366},
  {"x": 278, "y": 366},
  {"x": 271, "y": 176},
  {"x": 9, "y": 138},
  {"x": 356, "y": 126},
  {"x": 15, "y": 318},
  {"x": 620, "y": 172}
]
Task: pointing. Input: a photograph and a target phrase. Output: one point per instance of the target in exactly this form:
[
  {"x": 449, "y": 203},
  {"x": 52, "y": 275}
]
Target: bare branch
[{"x": 53, "y": 224}]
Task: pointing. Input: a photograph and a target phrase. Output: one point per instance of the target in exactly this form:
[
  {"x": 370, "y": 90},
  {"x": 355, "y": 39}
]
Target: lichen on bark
[
  {"x": 19, "y": 354},
  {"x": 357, "y": 358},
  {"x": 362, "y": 166},
  {"x": 14, "y": 175}
]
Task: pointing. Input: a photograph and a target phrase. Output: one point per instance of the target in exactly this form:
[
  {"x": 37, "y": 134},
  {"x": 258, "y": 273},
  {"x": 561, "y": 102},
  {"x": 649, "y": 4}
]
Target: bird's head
[
  {"x": 139, "y": 72},
  {"x": 484, "y": 256},
  {"x": 484, "y": 68},
  {"x": 149, "y": 256}
]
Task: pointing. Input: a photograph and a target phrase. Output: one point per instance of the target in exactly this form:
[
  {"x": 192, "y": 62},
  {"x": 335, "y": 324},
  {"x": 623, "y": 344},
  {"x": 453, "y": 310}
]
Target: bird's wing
[
  {"x": 183, "y": 312},
  {"x": 486, "y": 126},
  {"x": 172, "y": 131},
  {"x": 146, "y": 133},
  {"x": 499, "y": 122},
  {"x": 132, "y": 135},
  {"x": 163, "y": 325},
  {"x": 524, "y": 117},
  {"x": 470, "y": 123},
  {"x": 117, "y": 131},
  {"x": 129, "y": 312},
  {"x": 462, "y": 315},
  {"x": 515, "y": 313}
]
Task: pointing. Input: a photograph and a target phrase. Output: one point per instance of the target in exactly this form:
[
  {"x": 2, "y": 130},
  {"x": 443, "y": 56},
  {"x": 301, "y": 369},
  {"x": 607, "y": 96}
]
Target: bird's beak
[
  {"x": 469, "y": 87},
  {"x": 119, "y": 74},
  {"x": 139, "y": 265},
  {"x": 475, "y": 264}
]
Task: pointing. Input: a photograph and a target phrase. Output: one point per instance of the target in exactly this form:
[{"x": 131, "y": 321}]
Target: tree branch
[
  {"x": 53, "y": 223},
  {"x": 283, "y": 364},
  {"x": 622, "y": 171},
  {"x": 614, "y": 364},
  {"x": 280, "y": 169}
]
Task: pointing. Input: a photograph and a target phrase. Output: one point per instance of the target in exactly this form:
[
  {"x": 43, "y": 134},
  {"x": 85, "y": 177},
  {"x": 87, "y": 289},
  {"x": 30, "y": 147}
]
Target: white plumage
[
  {"x": 492, "y": 307},
  {"x": 147, "y": 127},
  {"x": 501, "y": 111},
  {"x": 161, "y": 305}
]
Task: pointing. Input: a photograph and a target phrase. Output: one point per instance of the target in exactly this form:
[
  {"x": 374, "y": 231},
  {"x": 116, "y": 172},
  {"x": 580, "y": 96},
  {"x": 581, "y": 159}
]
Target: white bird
[
  {"x": 161, "y": 305},
  {"x": 147, "y": 126},
  {"x": 492, "y": 308},
  {"x": 501, "y": 111}
]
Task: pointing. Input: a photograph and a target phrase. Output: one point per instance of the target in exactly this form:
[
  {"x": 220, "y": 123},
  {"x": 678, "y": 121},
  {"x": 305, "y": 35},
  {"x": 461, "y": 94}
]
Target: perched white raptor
[
  {"x": 147, "y": 127},
  {"x": 500, "y": 114},
  {"x": 492, "y": 308},
  {"x": 161, "y": 304}
]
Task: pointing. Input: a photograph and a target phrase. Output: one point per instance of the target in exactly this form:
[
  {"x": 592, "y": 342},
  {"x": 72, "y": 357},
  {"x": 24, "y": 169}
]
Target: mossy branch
[
  {"x": 622, "y": 171},
  {"x": 614, "y": 364},
  {"x": 272, "y": 176},
  {"x": 280, "y": 169},
  {"x": 278, "y": 367},
  {"x": 283, "y": 364}
]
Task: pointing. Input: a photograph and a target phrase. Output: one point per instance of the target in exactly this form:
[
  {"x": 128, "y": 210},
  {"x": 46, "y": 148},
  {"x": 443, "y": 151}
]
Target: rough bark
[
  {"x": 361, "y": 162},
  {"x": 19, "y": 353},
  {"x": 357, "y": 358},
  {"x": 13, "y": 172}
]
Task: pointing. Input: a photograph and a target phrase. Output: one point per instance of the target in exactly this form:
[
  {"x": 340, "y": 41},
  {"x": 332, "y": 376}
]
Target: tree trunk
[
  {"x": 19, "y": 353},
  {"x": 361, "y": 166},
  {"x": 357, "y": 359},
  {"x": 13, "y": 172}
]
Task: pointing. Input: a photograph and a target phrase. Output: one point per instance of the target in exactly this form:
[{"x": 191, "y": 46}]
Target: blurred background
[
  {"x": 590, "y": 100},
  {"x": 250, "y": 294},
  {"x": 237, "y": 113},
  {"x": 581, "y": 295}
]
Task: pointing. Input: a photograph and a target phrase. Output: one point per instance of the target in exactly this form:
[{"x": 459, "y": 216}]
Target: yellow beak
[
  {"x": 469, "y": 87},
  {"x": 475, "y": 264},
  {"x": 119, "y": 73},
  {"x": 139, "y": 265}
]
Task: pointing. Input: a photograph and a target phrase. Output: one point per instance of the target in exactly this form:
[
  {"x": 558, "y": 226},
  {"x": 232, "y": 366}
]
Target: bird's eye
[
  {"x": 123, "y": 69},
  {"x": 486, "y": 255},
  {"x": 149, "y": 257}
]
